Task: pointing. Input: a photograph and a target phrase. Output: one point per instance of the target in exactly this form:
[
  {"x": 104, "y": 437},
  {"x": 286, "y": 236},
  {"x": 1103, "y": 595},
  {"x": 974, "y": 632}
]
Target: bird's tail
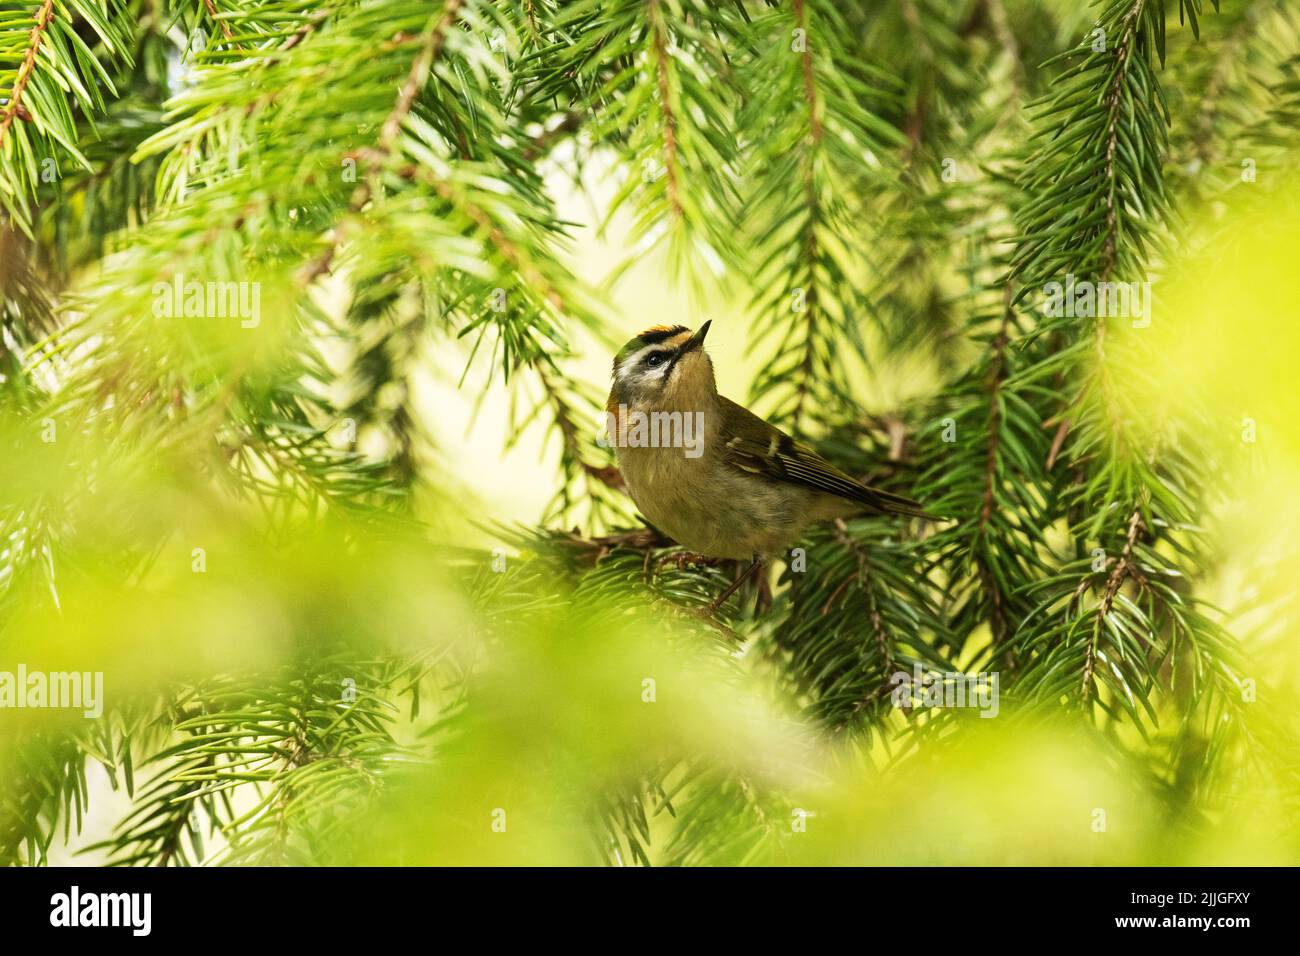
[{"x": 888, "y": 503}]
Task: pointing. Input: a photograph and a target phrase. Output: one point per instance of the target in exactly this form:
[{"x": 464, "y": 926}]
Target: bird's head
[{"x": 664, "y": 367}]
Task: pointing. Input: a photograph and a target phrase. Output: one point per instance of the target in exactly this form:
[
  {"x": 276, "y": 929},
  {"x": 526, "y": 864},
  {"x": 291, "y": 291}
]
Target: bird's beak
[{"x": 696, "y": 340}]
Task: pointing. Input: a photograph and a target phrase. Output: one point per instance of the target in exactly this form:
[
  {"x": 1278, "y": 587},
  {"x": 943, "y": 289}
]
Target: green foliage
[
  {"x": 53, "y": 79},
  {"x": 240, "y": 524}
]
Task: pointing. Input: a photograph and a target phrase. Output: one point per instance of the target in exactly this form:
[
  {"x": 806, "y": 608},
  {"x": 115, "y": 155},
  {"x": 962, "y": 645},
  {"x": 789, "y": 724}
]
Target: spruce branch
[
  {"x": 55, "y": 78},
  {"x": 390, "y": 173},
  {"x": 13, "y": 108}
]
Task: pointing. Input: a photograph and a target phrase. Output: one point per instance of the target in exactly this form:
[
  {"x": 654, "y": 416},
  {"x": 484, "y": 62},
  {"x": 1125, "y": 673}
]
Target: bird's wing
[{"x": 761, "y": 448}]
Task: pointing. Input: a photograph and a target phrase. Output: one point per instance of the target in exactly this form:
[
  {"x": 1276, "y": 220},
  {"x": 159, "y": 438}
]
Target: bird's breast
[{"x": 709, "y": 507}]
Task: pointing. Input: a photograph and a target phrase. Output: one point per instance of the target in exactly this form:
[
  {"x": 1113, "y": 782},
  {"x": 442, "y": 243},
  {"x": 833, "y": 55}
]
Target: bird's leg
[
  {"x": 763, "y": 601},
  {"x": 733, "y": 587}
]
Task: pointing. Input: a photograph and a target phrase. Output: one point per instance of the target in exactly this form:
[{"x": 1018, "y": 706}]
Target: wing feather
[{"x": 761, "y": 448}]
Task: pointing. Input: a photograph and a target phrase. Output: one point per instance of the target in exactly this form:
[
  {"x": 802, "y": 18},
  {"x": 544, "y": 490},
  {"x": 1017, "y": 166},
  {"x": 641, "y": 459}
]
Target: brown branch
[
  {"x": 1124, "y": 568},
  {"x": 670, "y": 119},
  {"x": 382, "y": 151},
  {"x": 304, "y": 31},
  {"x": 811, "y": 250},
  {"x": 212, "y": 12},
  {"x": 531, "y": 275},
  {"x": 914, "y": 125},
  {"x": 806, "y": 368},
  {"x": 864, "y": 579},
  {"x": 1130, "y": 27},
  {"x": 809, "y": 80},
  {"x": 591, "y": 550},
  {"x": 997, "y": 14},
  {"x": 378, "y": 154},
  {"x": 997, "y": 371},
  {"x": 415, "y": 78},
  {"x": 608, "y": 475},
  {"x": 1130, "y": 24},
  {"x": 997, "y": 374},
  {"x": 1058, "y": 440},
  {"x": 1211, "y": 100},
  {"x": 542, "y": 143},
  {"x": 14, "y": 107}
]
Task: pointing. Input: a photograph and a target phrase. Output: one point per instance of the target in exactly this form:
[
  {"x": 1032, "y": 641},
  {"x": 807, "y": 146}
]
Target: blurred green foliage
[{"x": 256, "y": 531}]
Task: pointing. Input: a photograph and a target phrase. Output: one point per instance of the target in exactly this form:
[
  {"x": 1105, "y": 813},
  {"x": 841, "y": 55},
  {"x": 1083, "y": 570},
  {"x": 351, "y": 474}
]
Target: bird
[{"x": 710, "y": 474}]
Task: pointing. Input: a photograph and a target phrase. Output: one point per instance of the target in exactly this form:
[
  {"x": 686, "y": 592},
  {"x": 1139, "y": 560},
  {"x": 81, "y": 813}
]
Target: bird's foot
[{"x": 684, "y": 558}]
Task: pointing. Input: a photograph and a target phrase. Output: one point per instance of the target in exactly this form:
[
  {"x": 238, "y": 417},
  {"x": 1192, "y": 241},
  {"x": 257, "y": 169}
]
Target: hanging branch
[{"x": 807, "y": 298}]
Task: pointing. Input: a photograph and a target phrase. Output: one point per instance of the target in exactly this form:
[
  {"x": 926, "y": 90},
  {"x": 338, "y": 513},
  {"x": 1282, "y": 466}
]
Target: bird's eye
[{"x": 654, "y": 360}]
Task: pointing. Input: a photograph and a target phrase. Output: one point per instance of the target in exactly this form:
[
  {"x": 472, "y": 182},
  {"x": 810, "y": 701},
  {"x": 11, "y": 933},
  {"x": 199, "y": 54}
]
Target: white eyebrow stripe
[
  {"x": 633, "y": 364},
  {"x": 635, "y": 358}
]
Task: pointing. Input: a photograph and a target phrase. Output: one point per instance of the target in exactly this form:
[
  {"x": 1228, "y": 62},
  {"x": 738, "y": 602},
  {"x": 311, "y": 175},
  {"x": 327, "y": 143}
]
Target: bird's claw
[{"x": 683, "y": 558}]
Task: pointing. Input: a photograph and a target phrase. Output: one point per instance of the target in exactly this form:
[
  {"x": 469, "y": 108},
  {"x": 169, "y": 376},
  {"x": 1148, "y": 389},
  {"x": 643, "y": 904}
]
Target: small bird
[{"x": 712, "y": 475}]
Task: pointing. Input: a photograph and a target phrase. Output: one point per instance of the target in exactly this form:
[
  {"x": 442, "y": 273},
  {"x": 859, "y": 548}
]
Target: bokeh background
[{"x": 357, "y": 589}]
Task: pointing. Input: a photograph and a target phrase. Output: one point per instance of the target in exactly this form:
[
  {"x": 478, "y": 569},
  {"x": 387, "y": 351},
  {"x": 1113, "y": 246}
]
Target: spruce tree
[{"x": 236, "y": 234}]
